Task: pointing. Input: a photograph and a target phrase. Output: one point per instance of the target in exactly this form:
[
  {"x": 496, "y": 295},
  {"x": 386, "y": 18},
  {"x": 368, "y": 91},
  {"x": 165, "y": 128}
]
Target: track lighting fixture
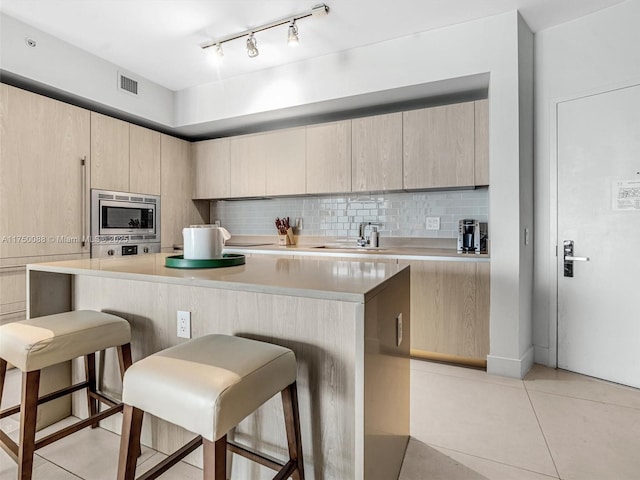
[
  {"x": 320, "y": 10},
  {"x": 252, "y": 46},
  {"x": 292, "y": 38}
]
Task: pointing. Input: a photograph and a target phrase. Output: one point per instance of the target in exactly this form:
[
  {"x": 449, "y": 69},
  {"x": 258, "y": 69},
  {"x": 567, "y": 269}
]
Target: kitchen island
[{"x": 347, "y": 322}]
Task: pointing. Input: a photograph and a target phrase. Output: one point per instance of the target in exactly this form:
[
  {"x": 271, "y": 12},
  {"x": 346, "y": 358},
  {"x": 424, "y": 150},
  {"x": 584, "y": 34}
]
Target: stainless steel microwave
[{"x": 124, "y": 218}]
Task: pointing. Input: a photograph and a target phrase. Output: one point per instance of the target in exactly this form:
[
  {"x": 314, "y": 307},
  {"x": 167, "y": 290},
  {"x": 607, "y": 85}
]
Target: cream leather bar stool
[
  {"x": 208, "y": 386},
  {"x": 37, "y": 343}
]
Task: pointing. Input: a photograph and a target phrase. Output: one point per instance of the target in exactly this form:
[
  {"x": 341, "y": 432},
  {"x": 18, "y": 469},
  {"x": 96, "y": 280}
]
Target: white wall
[
  {"x": 593, "y": 54},
  {"x": 62, "y": 66}
]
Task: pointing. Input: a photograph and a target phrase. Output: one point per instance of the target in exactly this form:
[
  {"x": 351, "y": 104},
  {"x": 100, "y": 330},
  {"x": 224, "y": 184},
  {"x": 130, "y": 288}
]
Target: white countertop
[
  {"x": 385, "y": 253},
  {"x": 335, "y": 280}
]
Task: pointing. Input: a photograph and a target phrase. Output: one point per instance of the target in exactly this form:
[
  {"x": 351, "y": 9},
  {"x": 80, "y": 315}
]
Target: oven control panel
[{"x": 123, "y": 250}]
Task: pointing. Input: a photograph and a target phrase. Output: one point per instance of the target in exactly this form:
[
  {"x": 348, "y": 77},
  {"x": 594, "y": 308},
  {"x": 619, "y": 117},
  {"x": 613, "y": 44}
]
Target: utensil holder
[
  {"x": 292, "y": 239},
  {"x": 283, "y": 240}
]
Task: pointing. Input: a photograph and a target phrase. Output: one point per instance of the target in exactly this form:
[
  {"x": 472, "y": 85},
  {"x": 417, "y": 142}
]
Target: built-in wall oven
[{"x": 124, "y": 223}]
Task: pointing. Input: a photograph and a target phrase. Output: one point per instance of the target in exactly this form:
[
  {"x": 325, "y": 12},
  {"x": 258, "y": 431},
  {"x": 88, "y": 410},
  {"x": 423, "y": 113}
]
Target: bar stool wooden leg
[
  {"x": 3, "y": 375},
  {"x": 129, "y": 442},
  {"x": 215, "y": 459},
  {"x": 124, "y": 358},
  {"x": 292, "y": 424},
  {"x": 90, "y": 372},
  {"x": 28, "y": 415}
]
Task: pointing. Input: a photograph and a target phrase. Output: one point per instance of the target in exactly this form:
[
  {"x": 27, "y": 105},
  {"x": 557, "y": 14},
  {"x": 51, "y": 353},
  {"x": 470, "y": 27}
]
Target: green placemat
[{"x": 227, "y": 260}]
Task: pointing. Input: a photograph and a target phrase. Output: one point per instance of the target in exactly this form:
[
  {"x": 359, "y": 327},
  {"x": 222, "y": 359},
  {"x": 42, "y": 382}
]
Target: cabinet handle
[{"x": 83, "y": 197}]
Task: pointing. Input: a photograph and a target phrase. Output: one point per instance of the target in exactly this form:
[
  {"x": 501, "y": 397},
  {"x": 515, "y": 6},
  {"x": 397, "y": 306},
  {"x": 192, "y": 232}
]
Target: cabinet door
[
  {"x": 177, "y": 210},
  {"x": 284, "y": 154},
  {"x": 212, "y": 169},
  {"x": 482, "y": 142},
  {"x": 439, "y": 146},
  {"x": 248, "y": 167},
  {"x": 144, "y": 160},
  {"x": 109, "y": 153},
  {"x": 449, "y": 308},
  {"x": 329, "y": 157},
  {"x": 377, "y": 153},
  {"x": 43, "y": 185}
]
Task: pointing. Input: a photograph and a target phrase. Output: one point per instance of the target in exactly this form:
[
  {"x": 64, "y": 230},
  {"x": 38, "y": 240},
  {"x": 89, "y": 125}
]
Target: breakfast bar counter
[{"x": 348, "y": 324}]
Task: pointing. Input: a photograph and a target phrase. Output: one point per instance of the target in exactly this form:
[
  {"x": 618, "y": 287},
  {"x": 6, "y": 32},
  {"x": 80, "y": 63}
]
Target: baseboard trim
[{"x": 511, "y": 367}]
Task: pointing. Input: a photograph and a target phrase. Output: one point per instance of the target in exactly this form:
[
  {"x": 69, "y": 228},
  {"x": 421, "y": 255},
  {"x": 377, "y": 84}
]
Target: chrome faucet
[{"x": 364, "y": 241}]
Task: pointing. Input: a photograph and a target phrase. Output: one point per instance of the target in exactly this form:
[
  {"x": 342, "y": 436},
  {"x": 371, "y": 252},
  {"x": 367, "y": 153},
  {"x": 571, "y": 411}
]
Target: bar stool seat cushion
[
  {"x": 44, "y": 341},
  {"x": 210, "y": 384}
]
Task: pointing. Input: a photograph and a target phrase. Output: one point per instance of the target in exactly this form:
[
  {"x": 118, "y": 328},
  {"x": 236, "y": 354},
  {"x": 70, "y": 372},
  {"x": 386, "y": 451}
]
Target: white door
[{"x": 599, "y": 210}]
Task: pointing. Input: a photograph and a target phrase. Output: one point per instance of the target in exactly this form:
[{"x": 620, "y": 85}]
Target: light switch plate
[
  {"x": 184, "y": 324},
  {"x": 433, "y": 223}
]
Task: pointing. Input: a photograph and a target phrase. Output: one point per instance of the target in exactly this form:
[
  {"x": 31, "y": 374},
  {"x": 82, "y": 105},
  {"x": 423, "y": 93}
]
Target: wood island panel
[{"x": 353, "y": 381}]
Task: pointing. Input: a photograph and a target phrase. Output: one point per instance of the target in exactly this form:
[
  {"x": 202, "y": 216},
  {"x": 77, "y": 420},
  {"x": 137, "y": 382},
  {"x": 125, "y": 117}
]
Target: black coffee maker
[{"x": 472, "y": 236}]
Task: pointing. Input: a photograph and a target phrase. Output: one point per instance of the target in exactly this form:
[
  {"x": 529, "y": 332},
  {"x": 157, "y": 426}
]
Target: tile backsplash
[{"x": 399, "y": 214}]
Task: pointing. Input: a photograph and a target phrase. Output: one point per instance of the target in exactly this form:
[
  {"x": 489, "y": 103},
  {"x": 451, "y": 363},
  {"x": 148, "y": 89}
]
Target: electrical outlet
[
  {"x": 433, "y": 223},
  {"x": 399, "y": 329},
  {"x": 299, "y": 223},
  {"x": 184, "y": 324}
]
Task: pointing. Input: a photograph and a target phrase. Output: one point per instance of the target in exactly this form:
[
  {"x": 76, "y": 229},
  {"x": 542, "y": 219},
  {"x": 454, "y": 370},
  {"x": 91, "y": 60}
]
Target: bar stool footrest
[{"x": 171, "y": 460}]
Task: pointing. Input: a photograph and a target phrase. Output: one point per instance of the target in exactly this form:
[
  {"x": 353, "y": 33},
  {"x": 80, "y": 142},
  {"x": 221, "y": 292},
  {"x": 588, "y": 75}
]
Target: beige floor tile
[
  {"x": 42, "y": 470},
  {"x": 590, "y": 440},
  {"x": 463, "y": 372},
  {"x": 483, "y": 419},
  {"x": 435, "y": 463},
  {"x": 90, "y": 454},
  {"x": 562, "y": 382}
]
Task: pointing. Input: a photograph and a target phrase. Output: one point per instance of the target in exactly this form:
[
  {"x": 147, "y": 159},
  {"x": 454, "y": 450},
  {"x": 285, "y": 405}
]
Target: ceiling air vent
[{"x": 127, "y": 84}]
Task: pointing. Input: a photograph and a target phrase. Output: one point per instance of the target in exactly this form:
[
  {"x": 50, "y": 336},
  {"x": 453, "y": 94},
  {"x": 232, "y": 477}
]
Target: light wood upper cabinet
[
  {"x": 376, "y": 162},
  {"x": 284, "y": 154},
  {"x": 43, "y": 184},
  {"x": 438, "y": 146},
  {"x": 144, "y": 160},
  {"x": 450, "y": 308},
  {"x": 329, "y": 157},
  {"x": 482, "y": 142},
  {"x": 212, "y": 169},
  {"x": 177, "y": 208},
  {"x": 109, "y": 153},
  {"x": 248, "y": 167}
]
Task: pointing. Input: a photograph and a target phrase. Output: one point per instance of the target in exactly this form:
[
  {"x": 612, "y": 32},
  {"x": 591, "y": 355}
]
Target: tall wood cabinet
[
  {"x": 212, "y": 168},
  {"x": 44, "y": 188},
  {"x": 249, "y": 169},
  {"x": 109, "y": 153},
  {"x": 376, "y": 160},
  {"x": 450, "y": 310},
  {"x": 329, "y": 157},
  {"x": 177, "y": 208},
  {"x": 284, "y": 156},
  {"x": 271, "y": 163},
  {"x": 125, "y": 157},
  {"x": 438, "y": 144},
  {"x": 144, "y": 160},
  {"x": 43, "y": 183}
]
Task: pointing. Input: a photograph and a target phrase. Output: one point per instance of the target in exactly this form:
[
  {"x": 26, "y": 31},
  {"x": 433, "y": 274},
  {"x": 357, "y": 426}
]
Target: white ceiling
[{"x": 159, "y": 39}]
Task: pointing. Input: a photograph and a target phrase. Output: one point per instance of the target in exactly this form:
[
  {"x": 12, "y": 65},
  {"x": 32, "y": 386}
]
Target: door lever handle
[{"x": 569, "y": 258}]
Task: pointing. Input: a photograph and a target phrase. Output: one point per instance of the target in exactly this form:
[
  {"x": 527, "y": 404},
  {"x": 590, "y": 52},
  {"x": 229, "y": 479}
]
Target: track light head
[
  {"x": 292, "y": 38},
  {"x": 252, "y": 46}
]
